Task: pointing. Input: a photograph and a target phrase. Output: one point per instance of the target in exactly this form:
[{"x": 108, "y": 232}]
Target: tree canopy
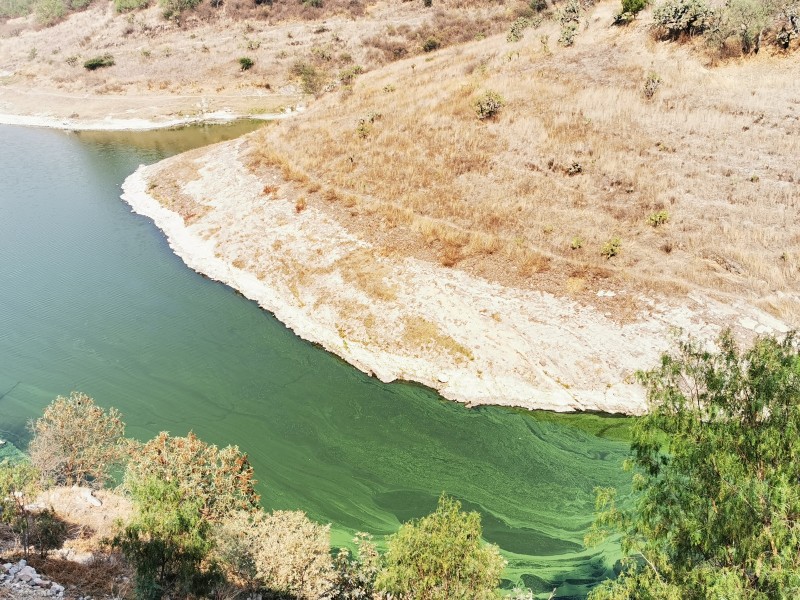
[
  {"x": 78, "y": 442},
  {"x": 716, "y": 473},
  {"x": 441, "y": 557}
]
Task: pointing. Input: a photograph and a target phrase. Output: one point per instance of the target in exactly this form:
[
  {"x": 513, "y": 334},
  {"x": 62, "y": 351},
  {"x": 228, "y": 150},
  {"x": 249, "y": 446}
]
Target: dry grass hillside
[
  {"x": 190, "y": 65},
  {"x": 583, "y": 180}
]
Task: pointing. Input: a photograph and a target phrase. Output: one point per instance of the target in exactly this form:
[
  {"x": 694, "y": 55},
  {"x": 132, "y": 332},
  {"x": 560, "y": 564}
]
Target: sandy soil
[{"x": 474, "y": 341}]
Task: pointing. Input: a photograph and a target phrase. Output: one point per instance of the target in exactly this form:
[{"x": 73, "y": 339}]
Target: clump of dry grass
[
  {"x": 577, "y": 152},
  {"x": 419, "y": 333}
]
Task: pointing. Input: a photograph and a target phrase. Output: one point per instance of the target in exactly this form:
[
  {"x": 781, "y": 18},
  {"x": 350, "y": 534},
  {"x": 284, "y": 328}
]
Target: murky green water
[{"x": 92, "y": 299}]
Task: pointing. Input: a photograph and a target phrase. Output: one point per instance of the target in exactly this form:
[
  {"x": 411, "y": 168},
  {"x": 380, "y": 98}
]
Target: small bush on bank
[
  {"x": 246, "y": 63},
  {"x": 98, "y": 62},
  {"x": 488, "y": 105}
]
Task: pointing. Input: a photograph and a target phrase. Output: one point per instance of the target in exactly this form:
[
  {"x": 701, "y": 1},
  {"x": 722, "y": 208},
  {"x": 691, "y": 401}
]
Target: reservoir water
[{"x": 92, "y": 299}]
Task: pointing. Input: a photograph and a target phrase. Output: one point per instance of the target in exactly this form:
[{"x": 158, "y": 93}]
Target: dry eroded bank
[{"x": 402, "y": 318}]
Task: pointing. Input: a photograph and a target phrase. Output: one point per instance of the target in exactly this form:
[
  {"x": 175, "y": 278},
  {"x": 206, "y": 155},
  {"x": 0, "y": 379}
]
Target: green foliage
[
  {"x": 246, "y": 63},
  {"x": 675, "y": 18},
  {"x": 576, "y": 243},
  {"x": 630, "y": 8},
  {"x": 99, "y": 62},
  {"x": 743, "y": 21},
  {"x": 283, "y": 551},
  {"x": 18, "y": 486},
  {"x": 356, "y": 573},
  {"x": 313, "y": 3},
  {"x": 49, "y": 532},
  {"x": 10, "y": 9},
  {"x": 49, "y": 12},
  {"x": 488, "y": 105},
  {"x": 219, "y": 480},
  {"x": 312, "y": 79},
  {"x": 658, "y": 218},
  {"x": 76, "y": 442},
  {"x": 716, "y": 512},
  {"x": 633, "y": 6},
  {"x": 348, "y": 75},
  {"x": 129, "y": 5},
  {"x": 174, "y": 8},
  {"x": 651, "y": 85},
  {"x": 517, "y": 31},
  {"x": 441, "y": 557},
  {"x": 611, "y": 248},
  {"x": 569, "y": 16},
  {"x": 431, "y": 44},
  {"x": 168, "y": 542}
]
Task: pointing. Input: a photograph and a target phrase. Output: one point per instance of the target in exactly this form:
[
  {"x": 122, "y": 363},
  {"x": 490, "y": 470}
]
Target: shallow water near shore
[{"x": 93, "y": 299}]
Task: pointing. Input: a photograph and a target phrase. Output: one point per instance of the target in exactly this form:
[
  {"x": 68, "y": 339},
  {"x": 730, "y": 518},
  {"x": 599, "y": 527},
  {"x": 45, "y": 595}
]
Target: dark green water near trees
[{"x": 92, "y": 299}]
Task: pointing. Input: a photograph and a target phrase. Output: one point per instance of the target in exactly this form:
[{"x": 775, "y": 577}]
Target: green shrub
[
  {"x": 569, "y": 17},
  {"x": 245, "y": 63},
  {"x": 129, "y": 5},
  {"x": 611, "y": 248},
  {"x": 518, "y": 28},
  {"x": 488, "y": 105},
  {"x": 675, "y": 18},
  {"x": 651, "y": 85},
  {"x": 633, "y": 6},
  {"x": 743, "y": 21},
  {"x": 538, "y": 5},
  {"x": 49, "y": 12},
  {"x": 427, "y": 3},
  {"x": 630, "y": 8},
  {"x": 311, "y": 79},
  {"x": 348, "y": 75},
  {"x": 10, "y": 9},
  {"x": 658, "y": 218},
  {"x": 313, "y": 3},
  {"x": 49, "y": 532},
  {"x": 431, "y": 44},
  {"x": 441, "y": 557},
  {"x": 173, "y": 8},
  {"x": 18, "y": 487},
  {"x": 99, "y": 62},
  {"x": 577, "y": 243},
  {"x": 168, "y": 543},
  {"x": 221, "y": 480}
]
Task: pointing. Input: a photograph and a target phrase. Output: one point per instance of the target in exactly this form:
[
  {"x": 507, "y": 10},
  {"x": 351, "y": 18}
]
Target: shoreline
[
  {"x": 115, "y": 124},
  {"x": 471, "y": 340}
]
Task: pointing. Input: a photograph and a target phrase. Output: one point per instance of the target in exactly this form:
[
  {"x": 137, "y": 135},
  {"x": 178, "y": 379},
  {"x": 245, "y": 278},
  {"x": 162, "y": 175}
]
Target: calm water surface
[{"x": 92, "y": 299}]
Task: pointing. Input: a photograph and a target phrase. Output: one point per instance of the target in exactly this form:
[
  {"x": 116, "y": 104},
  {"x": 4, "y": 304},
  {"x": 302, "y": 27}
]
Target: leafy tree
[
  {"x": 716, "y": 508},
  {"x": 220, "y": 480},
  {"x": 76, "y": 442},
  {"x": 441, "y": 557},
  {"x": 168, "y": 542}
]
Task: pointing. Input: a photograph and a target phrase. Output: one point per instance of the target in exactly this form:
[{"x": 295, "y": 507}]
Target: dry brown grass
[{"x": 577, "y": 152}]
